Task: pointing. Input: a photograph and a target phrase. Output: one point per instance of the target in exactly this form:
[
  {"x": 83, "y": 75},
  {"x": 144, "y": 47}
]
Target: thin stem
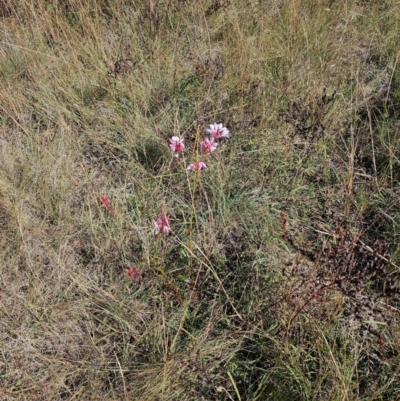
[{"x": 193, "y": 192}]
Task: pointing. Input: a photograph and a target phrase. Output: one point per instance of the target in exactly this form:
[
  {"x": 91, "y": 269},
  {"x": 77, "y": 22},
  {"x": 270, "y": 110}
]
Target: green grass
[{"x": 279, "y": 278}]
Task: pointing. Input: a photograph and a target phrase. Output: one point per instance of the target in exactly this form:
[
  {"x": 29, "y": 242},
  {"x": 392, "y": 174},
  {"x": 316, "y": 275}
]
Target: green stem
[{"x": 193, "y": 209}]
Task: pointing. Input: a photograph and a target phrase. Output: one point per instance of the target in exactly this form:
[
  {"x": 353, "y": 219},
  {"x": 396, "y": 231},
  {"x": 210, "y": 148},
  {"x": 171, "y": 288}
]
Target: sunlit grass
[{"x": 253, "y": 293}]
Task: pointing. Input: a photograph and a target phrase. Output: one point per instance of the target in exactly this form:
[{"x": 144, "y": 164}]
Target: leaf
[{"x": 272, "y": 327}]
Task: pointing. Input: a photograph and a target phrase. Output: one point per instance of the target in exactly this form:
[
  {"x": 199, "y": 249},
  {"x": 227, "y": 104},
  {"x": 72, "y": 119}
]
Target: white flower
[
  {"x": 218, "y": 131},
  {"x": 196, "y": 166},
  {"x": 176, "y": 144},
  {"x": 208, "y": 145}
]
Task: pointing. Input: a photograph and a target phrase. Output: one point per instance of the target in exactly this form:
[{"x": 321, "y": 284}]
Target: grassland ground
[{"x": 279, "y": 276}]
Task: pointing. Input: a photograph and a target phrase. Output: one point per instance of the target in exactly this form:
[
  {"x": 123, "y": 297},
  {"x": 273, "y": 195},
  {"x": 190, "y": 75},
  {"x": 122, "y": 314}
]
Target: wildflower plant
[
  {"x": 194, "y": 166},
  {"x": 161, "y": 224},
  {"x": 195, "y": 157},
  {"x": 106, "y": 202}
]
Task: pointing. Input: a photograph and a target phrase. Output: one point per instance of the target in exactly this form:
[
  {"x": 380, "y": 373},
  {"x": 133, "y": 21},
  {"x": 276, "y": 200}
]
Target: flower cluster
[
  {"x": 208, "y": 145},
  {"x": 161, "y": 225},
  {"x": 217, "y": 131},
  {"x": 134, "y": 273}
]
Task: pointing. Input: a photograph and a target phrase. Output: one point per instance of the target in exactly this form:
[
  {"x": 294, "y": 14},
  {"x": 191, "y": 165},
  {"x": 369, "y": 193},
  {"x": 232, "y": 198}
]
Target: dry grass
[{"x": 254, "y": 295}]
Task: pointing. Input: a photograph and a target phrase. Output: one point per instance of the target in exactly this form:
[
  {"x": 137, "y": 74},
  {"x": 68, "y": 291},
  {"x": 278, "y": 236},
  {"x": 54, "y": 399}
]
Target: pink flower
[
  {"x": 107, "y": 203},
  {"x": 176, "y": 144},
  {"x": 134, "y": 273},
  {"x": 161, "y": 225},
  {"x": 218, "y": 131},
  {"x": 208, "y": 145},
  {"x": 196, "y": 166}
]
